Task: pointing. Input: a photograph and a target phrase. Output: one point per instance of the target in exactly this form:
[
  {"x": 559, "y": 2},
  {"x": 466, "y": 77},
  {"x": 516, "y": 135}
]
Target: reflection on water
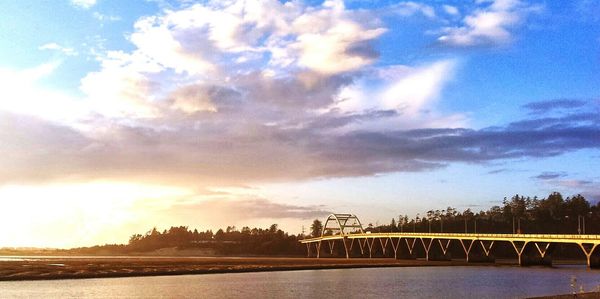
[{"x": 420, "y": 282}]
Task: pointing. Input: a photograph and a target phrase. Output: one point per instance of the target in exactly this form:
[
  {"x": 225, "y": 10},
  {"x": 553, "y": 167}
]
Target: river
[{"x": 405, "y": 282}]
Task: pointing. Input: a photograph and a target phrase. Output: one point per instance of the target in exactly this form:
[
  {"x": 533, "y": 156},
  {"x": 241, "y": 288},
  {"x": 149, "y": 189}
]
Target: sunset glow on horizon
[{"x": 119, "y": 117}]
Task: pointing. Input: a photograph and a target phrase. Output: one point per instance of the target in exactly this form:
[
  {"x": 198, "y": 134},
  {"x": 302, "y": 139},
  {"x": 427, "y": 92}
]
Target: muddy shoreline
[{"x": 47, "y": 268}]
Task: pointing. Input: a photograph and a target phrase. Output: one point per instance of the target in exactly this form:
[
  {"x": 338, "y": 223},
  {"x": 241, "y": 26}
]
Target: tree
[
  {"x": 273, "y": 228},
  {"x": 219, "y": 235},
  {"x": 316, "y": 228},
  {"x": 576, "y": 205}
]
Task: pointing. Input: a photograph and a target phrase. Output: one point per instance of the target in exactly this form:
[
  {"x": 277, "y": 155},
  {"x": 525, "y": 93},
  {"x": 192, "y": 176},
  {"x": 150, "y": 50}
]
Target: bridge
[{"x": 531, "y": 249}]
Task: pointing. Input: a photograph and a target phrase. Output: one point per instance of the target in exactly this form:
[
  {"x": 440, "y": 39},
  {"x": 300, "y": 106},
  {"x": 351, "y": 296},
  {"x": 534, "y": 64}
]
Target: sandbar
[{"x": 36, "y": 268}]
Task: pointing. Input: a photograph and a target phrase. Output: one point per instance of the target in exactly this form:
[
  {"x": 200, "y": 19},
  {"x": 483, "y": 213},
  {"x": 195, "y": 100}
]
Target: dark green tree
[{"x": 315, "y": 228}]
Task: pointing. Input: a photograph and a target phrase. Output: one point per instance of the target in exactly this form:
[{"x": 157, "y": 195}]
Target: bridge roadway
[{"x": 531, "y": 249}]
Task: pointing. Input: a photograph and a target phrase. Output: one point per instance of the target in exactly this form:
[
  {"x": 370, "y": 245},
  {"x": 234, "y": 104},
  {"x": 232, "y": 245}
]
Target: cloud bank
[
  {"x": 235, "y": 92},
  {"x": 202, "y": 150}
]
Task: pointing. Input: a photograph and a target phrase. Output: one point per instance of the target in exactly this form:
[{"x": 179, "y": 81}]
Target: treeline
[
  {"x": 551, "y": 215},
  {"x": 519, "y": 214},
  {"x": 231, "y": 241}
]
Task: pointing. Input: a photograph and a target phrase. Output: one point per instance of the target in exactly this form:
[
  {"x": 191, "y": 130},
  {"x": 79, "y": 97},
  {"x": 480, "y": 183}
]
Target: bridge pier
[
  {"x": 483, "y": 255},
  {"x": 345, "y": 243},
  {"x": 363, "y": 247},
  {"x": 431, "y": 254},
  {"x": 441, "y": 252},
  {"x": 396, "y": 246},
  {"x": 352, "y": 246},
  {"x": 406, "y": 249},
  {"x": 319, "y": 249},
  {"x": 533, "y": 253}
]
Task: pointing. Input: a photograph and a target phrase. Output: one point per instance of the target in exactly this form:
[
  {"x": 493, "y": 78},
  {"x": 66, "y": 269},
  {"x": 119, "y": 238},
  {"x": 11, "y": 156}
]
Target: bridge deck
[{"x": 553, "y": 238}]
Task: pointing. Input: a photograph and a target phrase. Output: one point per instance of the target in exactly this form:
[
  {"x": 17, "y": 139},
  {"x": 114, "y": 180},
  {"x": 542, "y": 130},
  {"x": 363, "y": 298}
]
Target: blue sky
[{"x": 119, "y": 117}]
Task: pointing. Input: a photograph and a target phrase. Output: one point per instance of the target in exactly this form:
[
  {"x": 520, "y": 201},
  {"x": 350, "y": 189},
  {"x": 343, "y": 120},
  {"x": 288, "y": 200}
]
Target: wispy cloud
[
  {"x": 56, "y": 47},
  {"x": 85, "y": 4},
  {"x": 500, "y": 170},
  {"x": 451, "y": 10},
  {"x": 550, "y": 175},
  {"x": 253, "y": 208},
  {"x": 562, "y": 181},
  {"x": 105, "y": 18},
  {"x": 410, "y": 8},
  {"x": 551, "y": 105},
  {"x": 489, "y": 25}
]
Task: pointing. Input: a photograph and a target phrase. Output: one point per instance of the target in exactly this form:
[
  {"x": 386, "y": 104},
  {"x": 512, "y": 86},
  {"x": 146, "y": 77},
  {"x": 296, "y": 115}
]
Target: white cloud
[
  {"x": 409, "y": 91},
  {"x": 402, "y": 88},
  {"x": 25, "y": 95},
  {"x": 85, "y": 4},
  {"x": 191, "y": 100},
  {"x": 488, "y": 26},
  {"x": 217, "y": 42},
  {"x": 418, "y": 88},
  {"x": 410, "y": 8},
  {"x": 102, "y": 17},
  {"x": 451, "y": 10},
  {"x": 206, "y": 77},
  {"x": 123, "y": 88},
  {"x": 56, "y": 47}
]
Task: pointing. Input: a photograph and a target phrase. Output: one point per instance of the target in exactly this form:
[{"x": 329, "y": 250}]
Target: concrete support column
[
  {"x": 536, "y": 254},
  {"x": 409, "y": 252},
  {"x": 345, "y": 242},
  {"x": 478, "y": 251},
  {"x": 319, "y": 249},
  {"x": 441, "y": 252},
  {"x": 395, "y": 246},
  {"x": 426, "y": 246},
  {"x": 384, "y": 245},
  {"x": 370, "y": 246},
  {"x": 331, "y": 244}
]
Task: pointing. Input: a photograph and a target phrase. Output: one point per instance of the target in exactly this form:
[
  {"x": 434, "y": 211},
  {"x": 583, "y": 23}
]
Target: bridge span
[{"x": 531, "y": 249}]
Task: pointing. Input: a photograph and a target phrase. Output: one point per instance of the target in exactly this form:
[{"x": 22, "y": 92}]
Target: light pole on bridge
[
  {"x": 415, "y": 223},
  {"x": 513, "y": 218},
  {"x": 581, "y": 224},
  {"x": 429, "y": 224},
  {"x": 401, "y": 222}
]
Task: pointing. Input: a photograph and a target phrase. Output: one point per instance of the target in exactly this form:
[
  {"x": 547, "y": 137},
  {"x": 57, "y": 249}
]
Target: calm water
[{"x": 421, "y": 282}]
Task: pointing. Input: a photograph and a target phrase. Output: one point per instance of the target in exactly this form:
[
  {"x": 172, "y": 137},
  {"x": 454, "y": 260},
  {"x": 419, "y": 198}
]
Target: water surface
[{"x": 407, "y": 282}]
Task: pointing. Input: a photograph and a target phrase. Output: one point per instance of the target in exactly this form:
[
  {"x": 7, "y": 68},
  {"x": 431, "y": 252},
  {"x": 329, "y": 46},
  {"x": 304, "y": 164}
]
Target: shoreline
[
  {"x": 24, "y": 268},
  {"x": 51, "y": 268}
]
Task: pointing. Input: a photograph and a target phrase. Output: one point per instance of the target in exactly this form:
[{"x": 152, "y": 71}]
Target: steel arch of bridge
[
  {"x": 340, "y": 223},
  {"x": 530, "y": 248},
  {"x": 343, "y": 221}
]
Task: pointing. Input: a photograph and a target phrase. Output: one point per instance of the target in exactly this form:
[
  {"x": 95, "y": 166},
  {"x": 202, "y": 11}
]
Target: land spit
[{"x": 37, "y": 268}]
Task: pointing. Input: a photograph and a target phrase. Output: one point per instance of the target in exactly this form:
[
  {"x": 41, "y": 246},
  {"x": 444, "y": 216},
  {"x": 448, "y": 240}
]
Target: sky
[{"x": 116, "y": 117}]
